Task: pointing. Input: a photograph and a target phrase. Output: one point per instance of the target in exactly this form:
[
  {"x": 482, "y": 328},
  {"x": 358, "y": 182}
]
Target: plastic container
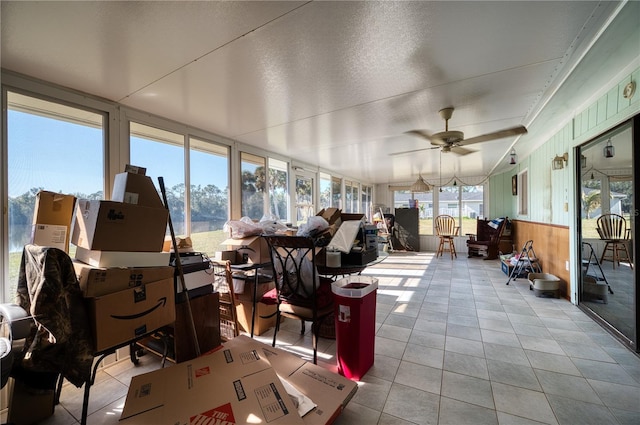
[
  {"x": 355, "y": 318},
  {"x": 544, "y": 284}
]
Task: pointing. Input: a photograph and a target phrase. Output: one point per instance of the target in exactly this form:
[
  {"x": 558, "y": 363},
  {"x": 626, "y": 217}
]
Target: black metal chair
[{"x": 300, "y": 293}]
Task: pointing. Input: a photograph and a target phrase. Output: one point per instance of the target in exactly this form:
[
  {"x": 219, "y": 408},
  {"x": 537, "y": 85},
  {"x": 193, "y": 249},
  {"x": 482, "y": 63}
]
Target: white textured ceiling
[{"x": 337, "y": 84}]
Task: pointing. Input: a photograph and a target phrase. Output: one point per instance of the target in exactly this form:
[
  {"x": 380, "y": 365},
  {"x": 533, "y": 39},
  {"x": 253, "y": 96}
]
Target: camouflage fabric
[{"x": 48, "y": 289}]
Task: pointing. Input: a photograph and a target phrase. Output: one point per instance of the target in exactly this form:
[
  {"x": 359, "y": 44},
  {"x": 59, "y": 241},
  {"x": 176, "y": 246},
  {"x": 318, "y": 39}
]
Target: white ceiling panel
[{"x": 336, "y": 84}]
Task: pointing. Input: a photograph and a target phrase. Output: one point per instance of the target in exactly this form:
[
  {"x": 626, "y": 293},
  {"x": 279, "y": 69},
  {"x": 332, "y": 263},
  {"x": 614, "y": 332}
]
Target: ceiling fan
[{"x": 453, "y": 141}]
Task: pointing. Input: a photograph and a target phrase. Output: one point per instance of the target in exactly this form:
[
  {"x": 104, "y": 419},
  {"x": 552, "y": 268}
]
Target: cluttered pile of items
[
  {"x": 127, "y": 281},
  {"x": 346, "y": 237}
]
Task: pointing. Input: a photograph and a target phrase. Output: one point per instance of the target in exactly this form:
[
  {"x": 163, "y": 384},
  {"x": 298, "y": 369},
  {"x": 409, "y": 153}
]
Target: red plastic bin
[{"x": 355, "y": 316}]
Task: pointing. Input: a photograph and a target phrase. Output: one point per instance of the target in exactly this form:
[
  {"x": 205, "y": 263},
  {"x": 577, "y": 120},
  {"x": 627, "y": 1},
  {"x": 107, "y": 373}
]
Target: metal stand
[
  {"x": 528, "y": 261},
  {"x": 597, "y": 274},
  {"x": 386, "y": 236},
  {"x": 101, "y": 356}
]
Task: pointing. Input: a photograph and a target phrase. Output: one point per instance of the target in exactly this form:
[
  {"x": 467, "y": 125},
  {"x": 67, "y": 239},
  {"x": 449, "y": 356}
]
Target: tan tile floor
[{"x": 454, "y": 345}]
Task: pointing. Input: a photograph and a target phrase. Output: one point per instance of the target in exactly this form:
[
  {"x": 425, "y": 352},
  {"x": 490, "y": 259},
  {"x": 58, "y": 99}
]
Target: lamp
[
  {"x": 583, "y": 161},
  {"x": 513, "y": 157},
  {"x": 420, "y": 185},
  {"x": 559, "y": 161},
  {"x": 609, "y": 151}
]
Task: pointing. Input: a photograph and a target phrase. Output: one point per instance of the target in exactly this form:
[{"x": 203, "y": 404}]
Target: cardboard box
[
  {"x": 50, "y": 235},
  {"x": 332, "y": 215},
  {"x": 262, "y": 324},
  {"x": 330, "y": 391},
  {"x": 117, "y": 226},
  {"x": 95, "y": 282},
  {"x": 352, "y": 216},
  {"x": 122, "y": 258},
  {"x": 255, "y": 248},
  {"x": 124, "y": 315},
  {"x": 52, "y": 210},
  {"x": 135, "y": 189},
  {"x": 232, "y": 385}
]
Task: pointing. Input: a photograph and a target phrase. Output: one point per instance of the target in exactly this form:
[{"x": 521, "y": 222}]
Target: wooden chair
[
  {"x": 446, "y": 230},
  {"x": 300, "y": 293},
  {"x": 486, "y": 240},
  {"x": 223, "y": 284},
  {"x": 613, "y": 230}
]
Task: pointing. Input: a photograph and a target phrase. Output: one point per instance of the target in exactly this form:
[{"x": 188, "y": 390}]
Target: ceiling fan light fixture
[
  {"x": 513, "y": 157},
  {"x": 609, "y": 151},
  {"x": 420, "y": 186}
]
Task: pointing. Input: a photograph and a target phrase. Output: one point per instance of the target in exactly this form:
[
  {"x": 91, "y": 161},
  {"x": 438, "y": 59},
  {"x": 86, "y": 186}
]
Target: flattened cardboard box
[
  {"x": 117, "y": 226},
  {"x": 52, "y": 210},
  {"x": 121, "y": 316},
  {"x": 95, "y": 282},
  {"x": 329, "y": 390},
  {"x": 255, "y": 247},
  {"x": 232, "y": 385}
]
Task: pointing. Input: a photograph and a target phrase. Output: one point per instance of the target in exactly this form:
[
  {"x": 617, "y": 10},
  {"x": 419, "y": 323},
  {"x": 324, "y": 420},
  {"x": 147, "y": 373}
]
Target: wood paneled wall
[{"x": 551, "y": 245}]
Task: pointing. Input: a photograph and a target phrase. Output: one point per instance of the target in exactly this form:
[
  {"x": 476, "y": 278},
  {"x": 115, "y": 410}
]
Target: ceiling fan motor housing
[{"x": 447, "y": 138}]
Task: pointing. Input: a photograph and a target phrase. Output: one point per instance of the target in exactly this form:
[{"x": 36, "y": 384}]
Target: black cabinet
[{"x": 406, "y": 228}]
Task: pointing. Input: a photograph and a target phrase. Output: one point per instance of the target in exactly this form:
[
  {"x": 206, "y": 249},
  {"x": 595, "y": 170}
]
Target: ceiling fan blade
[
  {"x": 412, "y": 151},
  {"x": 420, "y": 133},
  {"x": 514, "y": 131},
  {"x": 461, "y": 151}
]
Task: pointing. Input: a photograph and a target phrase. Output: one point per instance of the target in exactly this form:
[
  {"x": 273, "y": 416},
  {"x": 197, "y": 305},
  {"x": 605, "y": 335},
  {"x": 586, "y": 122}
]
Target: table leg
[{"x": 254, "y": 301}]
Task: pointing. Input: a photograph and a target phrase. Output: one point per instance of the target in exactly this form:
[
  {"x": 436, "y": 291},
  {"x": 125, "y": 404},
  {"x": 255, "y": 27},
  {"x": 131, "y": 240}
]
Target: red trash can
[{"x": 355, "y": 316}]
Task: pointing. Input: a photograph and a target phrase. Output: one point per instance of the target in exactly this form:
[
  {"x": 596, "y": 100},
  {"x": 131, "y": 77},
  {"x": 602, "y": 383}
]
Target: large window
[
  {"x": 351, "y": 197},
  {"x": 471, "y": 207},
  {"x": 330, "y": 191},
  {"x": 336, "y": 192},
  {"x": 161, "y": 152},
  {"x": 279, "y": 190},
  {"x": 51, "y": 147},
  {"x": 305, "y": 207},
  {"x": 208, "y": 194},
  {"x": 252, "y": 169},
  {"x": 366, "y": 202},
  {"x": 324, "y": 197},
  {"x": 464, "y": 202}
]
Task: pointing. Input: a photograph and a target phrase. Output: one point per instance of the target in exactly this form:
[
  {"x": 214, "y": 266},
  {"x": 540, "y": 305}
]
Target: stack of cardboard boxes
[
  {"x": 124, "y": 275},
  {"x": 121, "y": 268},
  {"x": 253, "y": 255}
]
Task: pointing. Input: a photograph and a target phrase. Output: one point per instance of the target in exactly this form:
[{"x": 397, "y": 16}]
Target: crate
[
  {"x": 359, "y": 258},
  {"x": 507, "y": 268}
]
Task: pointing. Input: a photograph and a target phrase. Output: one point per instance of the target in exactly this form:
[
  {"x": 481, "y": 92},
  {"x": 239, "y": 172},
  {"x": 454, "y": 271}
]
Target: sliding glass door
[{"x": 608, "y": 288}]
